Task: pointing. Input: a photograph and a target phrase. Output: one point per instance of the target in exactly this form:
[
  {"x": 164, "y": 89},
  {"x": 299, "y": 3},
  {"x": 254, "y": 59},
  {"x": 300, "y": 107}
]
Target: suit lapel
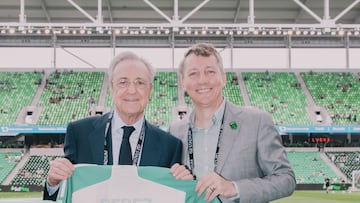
[
  {"x": 150, "y": 154},
  {"x": 229, "y": 134},
  {"x": 96, "y": 137}
]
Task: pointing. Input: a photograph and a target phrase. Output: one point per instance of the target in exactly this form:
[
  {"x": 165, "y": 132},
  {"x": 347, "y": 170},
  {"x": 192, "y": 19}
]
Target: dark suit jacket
[
  {"x": 84, "y": 143},
  {"x": 251, "y": 154}
]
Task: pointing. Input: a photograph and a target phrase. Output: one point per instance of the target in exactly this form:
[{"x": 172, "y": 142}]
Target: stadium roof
[{"x": 175, "y": 15}]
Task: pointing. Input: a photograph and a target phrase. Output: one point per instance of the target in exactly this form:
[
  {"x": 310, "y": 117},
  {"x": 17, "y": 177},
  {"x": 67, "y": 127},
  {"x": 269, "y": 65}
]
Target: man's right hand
[
  {"x": 180, "y": 172},
  {"x": 60, "y": 169}
]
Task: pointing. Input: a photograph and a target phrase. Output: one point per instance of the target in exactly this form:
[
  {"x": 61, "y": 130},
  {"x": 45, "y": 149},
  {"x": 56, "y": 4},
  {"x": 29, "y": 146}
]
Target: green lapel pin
[{"x": 233, "y": 125}]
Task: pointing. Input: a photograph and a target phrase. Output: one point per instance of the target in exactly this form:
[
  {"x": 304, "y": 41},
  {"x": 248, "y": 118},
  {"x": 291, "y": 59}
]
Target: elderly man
[{"x": 122, "y": 136}]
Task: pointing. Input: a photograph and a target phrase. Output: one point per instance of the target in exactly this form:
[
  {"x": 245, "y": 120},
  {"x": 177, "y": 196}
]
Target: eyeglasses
[{"x": 125, "y": 83}]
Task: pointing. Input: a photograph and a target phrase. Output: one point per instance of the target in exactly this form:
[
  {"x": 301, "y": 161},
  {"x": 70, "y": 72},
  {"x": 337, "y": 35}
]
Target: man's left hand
[{"x": 213, "y": 184}]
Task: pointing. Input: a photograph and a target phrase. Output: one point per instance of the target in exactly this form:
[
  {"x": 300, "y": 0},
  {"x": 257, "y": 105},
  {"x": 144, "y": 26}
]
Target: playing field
[
  {"x": 297, "y": 197},
  {"x": 321, "y": 197}
]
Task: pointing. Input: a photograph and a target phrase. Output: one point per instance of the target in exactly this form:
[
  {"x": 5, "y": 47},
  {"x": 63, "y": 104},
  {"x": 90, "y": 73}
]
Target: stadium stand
[
  {"x": 108, "y": 101},
  {"x": 17, "y": 90},
  {"x": 232, "y": 89},
  {"x": 34, "y": 171},
  {"x": 164, "y": 97},
  {"x": 346, "y": 161},
  {"x": 68, "y": 96},
  {"x": 8, "y": 161},
  {"x": 278, "y": 93},
  {"x": 310, "y": 168},
  {"x": 338, "y": 92}
]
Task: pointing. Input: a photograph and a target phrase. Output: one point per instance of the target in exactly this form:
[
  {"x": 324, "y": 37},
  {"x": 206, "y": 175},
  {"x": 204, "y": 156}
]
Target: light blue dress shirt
[{"x": 205, "y": 143}]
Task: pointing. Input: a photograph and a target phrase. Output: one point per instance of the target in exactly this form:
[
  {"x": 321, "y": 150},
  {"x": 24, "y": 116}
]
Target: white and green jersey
[{"x": 127, "y": 184}]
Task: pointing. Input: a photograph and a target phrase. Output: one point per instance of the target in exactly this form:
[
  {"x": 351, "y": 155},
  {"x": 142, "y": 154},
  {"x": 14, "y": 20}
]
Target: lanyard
[
  {"x": 139, "y": 144},
  {"x": 106, "y": 147},
  {"x": 191, "y": 146}
]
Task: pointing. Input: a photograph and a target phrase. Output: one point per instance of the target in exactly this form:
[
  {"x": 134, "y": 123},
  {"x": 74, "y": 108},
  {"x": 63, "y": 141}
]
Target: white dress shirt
[{"x": 117, "y": 134}]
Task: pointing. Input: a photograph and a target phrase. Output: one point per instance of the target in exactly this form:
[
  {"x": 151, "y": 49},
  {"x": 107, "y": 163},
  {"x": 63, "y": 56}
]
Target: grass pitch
[
  {"x": 297, "y": 197},
  {"x": 321, "y": 197},
  {"x": 20, "y": 194}
]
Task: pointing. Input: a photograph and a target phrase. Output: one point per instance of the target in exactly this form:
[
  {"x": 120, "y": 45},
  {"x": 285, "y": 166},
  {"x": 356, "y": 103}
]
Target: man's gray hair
[{"x": 128, "y": 55}]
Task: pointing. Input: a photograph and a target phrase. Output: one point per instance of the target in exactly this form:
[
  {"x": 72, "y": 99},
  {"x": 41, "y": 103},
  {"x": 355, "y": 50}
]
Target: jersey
[{"x": 127, "y": 184}]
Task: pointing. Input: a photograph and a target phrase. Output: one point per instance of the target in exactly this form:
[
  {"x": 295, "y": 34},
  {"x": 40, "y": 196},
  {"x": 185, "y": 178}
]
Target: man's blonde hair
[{"x": 201, "y": 49}]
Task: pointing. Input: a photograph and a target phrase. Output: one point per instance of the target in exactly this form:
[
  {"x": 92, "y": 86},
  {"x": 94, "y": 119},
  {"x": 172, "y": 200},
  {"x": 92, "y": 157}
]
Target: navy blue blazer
[{"x": 84, "y": 143}]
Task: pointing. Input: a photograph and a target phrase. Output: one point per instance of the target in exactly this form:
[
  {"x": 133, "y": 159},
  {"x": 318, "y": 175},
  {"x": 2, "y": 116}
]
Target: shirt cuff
[
  {"x": 237, "y": 197},
  {"x": 52, "y": 189}
]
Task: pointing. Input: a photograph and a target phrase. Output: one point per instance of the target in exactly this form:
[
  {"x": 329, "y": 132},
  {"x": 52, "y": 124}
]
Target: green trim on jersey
[{"x": 86, "y": 177}]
